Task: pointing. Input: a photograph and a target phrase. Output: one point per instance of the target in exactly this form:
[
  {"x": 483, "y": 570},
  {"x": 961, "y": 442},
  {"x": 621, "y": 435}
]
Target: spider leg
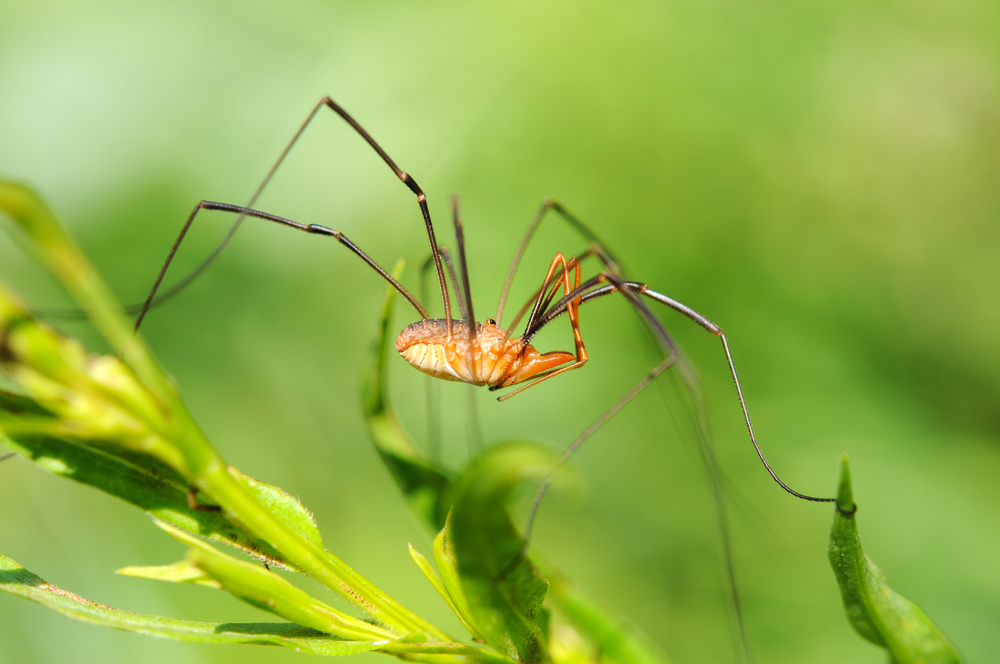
[
  {"x": 581, "y": 350},
  {"x": 469, "y": 316},
  {"x": 629, "y": 289},
  {"x": 433, "y": 384},
  {"x": 672, "y": 359},
  {"x": 244, "y": 211},
  {"x": 529, "y": 232},
  {"x": 314, "y": 229}
]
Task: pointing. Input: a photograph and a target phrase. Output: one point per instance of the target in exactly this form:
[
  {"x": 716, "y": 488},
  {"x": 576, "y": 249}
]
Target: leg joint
[{"x": 322, "y": 230}]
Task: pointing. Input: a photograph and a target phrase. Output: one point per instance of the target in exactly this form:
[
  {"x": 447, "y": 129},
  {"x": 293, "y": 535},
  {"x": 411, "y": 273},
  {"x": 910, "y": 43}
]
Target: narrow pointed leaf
[
  {"x": 167, "y": 429},
  {"x": 878, "y": 613},
  {"x": 266, "y": 590},
  {"x": 421, "y": 483},
  {"x": 432, "y": 576},
  {"x": 183, "y": 571},
  {"x": 16, "y": 580},
  {"x": 285, "y": 506},
  {"x": 447, "y": 565},
  {"x": 97, "y": 435},
  {"x": 459, "y": 607},
  {"x": 139, "y": 480}
]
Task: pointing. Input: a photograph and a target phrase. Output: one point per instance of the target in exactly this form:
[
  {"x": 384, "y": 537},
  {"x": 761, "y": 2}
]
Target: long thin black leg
[
  {"x": 589, "y": 291},
  {"x": 469, "y": 317},
  {"x": 534, "y": 296},
  {"x": 610, "y": 262},
  {"x": 449, "y": 265},
  {"x": 463, "y": 268},
  {"x": 314, "y": 229},
  {"x": 717, "y": 331},
  {"x": 709, "y": 459},
  {"x": 529, "y": 522},
  {"x": 204, "y": 265},
  {"x": 548, "y": 314},
  {"x": 415, "y": 188},
  {"x": 636, "y": 287},
  {"x": 687, "y": 375},
  {"x": 433, "y": 400},
  {"x": 402, "y": 175}
]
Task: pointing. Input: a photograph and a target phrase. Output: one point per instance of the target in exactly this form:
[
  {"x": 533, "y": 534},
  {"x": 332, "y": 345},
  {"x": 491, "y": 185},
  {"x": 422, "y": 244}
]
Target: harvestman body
[
  {"x": 493, "y": 359},
  {"x": 480, "y": 353},
  {"x": 483, "y": 353}
]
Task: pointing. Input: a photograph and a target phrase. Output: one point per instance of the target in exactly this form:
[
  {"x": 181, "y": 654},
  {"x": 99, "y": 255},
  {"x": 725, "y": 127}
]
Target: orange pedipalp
[
  {"x": 535, "y": 363},
  {"x": 558, "y": 357},
  {"x": 485, "y": 354}
]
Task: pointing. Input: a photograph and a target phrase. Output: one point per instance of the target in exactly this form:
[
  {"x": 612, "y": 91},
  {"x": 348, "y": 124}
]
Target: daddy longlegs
[{"x": 484, "y": 353}]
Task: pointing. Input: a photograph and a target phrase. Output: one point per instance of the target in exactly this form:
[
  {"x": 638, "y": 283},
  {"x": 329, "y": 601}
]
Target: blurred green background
[{"x": 821, "y": 180}]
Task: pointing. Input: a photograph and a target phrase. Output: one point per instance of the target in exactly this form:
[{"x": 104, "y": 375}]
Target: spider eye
[{"x": 491, "y": 321}]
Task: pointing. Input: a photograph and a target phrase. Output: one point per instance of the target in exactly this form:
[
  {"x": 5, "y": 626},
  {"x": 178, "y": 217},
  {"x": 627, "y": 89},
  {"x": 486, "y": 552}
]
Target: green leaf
[
  {"x": 61, "y": 255},
  {"x": 183, "y": 571},
  {"x": 285, "y": 506},
  {"x": 423, "y": 485},
  {"x": 16, "y": 580},
  {"x": 142, "y": 481},
  {"x": 613, "y": 637},
  {"x": 878, "y": 613},
  {"x": 266, "y": 590},
  {"x": 111, "y": 404},
  {"x": 89, "y": 398},
  {"x": 447, "y": 565},
  {"x": 456, "y": 601},
  {"x": 432, "y": 576},
  {"x": 504, "y": 589}
]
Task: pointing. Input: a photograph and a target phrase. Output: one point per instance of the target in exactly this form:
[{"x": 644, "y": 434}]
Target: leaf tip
[
  {"x": 845, "y": 494},
  {"x": 26, "y": 209}
]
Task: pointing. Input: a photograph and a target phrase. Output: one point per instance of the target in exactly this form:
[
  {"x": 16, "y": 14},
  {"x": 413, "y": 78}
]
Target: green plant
[
  {"x": 118, "y": 424},
  {"x": 876, "y": 611}
]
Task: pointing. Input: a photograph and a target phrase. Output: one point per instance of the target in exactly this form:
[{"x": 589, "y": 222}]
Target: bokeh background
[{"x": 821, "y": 180}]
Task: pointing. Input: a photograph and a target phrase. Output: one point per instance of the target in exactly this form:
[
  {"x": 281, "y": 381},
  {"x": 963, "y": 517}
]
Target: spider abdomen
[
  {"x": 489, "y": 357},
  {"x": 482, "y": 360}
]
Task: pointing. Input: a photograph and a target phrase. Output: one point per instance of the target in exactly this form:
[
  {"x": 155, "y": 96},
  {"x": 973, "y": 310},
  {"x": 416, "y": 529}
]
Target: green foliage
[
  {"x": 505, "y": 592},
  {"x": 611, "y": 635},
  {"x": 16, "y": 580},
  {"x": 818, "y": 178},
  {"x": 876, "y": 611},
  {"x": 117, "y": 424},
  {"x": 422, "y": 484},
  {"x": 482, "y": 573}
]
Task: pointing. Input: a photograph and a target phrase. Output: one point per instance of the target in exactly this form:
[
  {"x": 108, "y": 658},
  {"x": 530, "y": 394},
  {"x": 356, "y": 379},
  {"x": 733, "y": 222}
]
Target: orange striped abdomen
[{"x": 489, "y": 358}]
